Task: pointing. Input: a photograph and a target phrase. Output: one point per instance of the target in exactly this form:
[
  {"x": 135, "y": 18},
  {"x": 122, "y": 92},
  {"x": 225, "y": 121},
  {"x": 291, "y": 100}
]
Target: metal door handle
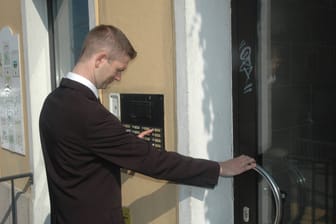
[{"x": 276, "y": 192}]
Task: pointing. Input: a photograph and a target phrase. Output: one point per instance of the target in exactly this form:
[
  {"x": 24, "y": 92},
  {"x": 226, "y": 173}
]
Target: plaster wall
[
  {"x": 204, "y": 102},
  {"x": 37, "y": 67}
]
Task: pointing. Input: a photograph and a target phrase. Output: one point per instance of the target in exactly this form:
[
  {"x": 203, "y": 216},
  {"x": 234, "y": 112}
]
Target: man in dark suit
[{"x": 84, "y": 145}]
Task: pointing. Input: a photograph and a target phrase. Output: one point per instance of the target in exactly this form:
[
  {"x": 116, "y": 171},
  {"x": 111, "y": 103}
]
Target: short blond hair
[{"x": 109, "y": 38}]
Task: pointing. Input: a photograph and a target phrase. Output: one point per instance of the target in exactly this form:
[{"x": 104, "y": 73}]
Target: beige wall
[
  {"x": 149, "y": 26},
  {"x": 12, "y": 163}
]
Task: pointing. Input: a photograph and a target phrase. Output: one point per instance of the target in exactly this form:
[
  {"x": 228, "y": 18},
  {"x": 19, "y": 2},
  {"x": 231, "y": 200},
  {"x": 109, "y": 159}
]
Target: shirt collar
[{"x": 78, "y": 78}]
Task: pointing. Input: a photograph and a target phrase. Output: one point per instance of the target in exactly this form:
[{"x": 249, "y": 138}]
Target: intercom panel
[{"x": 140, "y": 112}]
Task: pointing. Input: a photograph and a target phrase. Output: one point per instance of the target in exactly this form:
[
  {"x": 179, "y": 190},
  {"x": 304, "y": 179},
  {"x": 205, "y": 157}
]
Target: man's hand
[
  {"x": 144, "y": 133},
  {"x": 236, "y": 165}
]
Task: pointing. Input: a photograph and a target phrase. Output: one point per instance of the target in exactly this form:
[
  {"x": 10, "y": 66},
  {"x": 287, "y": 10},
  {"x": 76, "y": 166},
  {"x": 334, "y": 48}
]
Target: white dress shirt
[{"x": 78, "y": 78}]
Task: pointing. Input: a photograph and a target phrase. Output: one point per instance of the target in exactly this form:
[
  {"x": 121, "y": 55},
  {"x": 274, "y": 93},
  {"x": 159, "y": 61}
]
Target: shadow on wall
[
  {"x": 41, "y": 6},
  {"x": 47, "y": 219},
  {"x": 157, "y": 202},
  {"x": 214, "y": 34},
  {"x": 158, "y": 205}
]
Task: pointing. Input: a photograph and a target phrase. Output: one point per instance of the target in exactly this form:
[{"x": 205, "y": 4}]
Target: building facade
[{"x": 237, "y": 77}]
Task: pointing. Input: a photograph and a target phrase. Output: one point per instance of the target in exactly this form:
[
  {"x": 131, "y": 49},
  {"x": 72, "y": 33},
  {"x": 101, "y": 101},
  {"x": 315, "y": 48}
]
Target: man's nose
[{"x": 117, "y": 77}]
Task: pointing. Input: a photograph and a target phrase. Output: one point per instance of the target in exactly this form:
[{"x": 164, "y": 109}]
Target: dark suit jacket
[{"x": 84, "y": 147}]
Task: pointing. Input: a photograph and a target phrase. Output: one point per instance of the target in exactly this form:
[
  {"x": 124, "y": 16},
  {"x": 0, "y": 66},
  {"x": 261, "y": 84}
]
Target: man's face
[{"x": 110, "y": 70}]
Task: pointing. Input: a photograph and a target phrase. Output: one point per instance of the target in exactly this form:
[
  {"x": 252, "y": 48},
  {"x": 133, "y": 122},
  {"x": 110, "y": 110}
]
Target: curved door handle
[{"x": 276, "y": 192}]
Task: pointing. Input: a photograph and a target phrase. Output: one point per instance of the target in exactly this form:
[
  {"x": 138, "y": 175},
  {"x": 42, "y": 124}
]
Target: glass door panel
[
  {"x": 68, "y": 25},
  {"x": 296, "y": 83}
]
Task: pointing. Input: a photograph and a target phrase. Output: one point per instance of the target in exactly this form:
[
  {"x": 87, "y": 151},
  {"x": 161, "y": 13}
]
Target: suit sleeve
[{"x": 108, "y": 140}]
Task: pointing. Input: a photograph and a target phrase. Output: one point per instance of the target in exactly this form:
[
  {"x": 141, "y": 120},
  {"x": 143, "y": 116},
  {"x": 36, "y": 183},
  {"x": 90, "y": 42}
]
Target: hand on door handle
[
  {"x": 276, "y": 192},
  {"x": 236, "y": 165}
]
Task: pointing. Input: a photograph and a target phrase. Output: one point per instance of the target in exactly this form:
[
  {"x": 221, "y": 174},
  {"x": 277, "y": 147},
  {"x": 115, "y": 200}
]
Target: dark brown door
[{"x": 284, "y": 90}]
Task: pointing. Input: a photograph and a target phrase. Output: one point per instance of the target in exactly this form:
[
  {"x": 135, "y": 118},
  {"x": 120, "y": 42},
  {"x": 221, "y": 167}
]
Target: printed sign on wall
[{"x": 11, "y": 119}]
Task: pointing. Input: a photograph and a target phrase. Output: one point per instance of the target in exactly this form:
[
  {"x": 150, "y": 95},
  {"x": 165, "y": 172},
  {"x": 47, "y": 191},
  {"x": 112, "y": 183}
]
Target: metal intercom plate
[{"x": 140, "y": 112}]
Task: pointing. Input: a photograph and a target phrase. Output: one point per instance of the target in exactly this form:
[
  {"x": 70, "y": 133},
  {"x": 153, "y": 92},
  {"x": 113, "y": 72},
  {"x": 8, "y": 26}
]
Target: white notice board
[{"x": 11, "y": 119}]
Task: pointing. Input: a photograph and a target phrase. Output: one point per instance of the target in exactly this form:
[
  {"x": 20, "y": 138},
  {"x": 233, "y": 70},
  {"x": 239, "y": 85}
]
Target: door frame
[{"x": 245, "y": 104}]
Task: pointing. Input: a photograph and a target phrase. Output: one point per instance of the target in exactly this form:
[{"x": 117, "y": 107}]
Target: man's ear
[{"x": 100, "y": 58}]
